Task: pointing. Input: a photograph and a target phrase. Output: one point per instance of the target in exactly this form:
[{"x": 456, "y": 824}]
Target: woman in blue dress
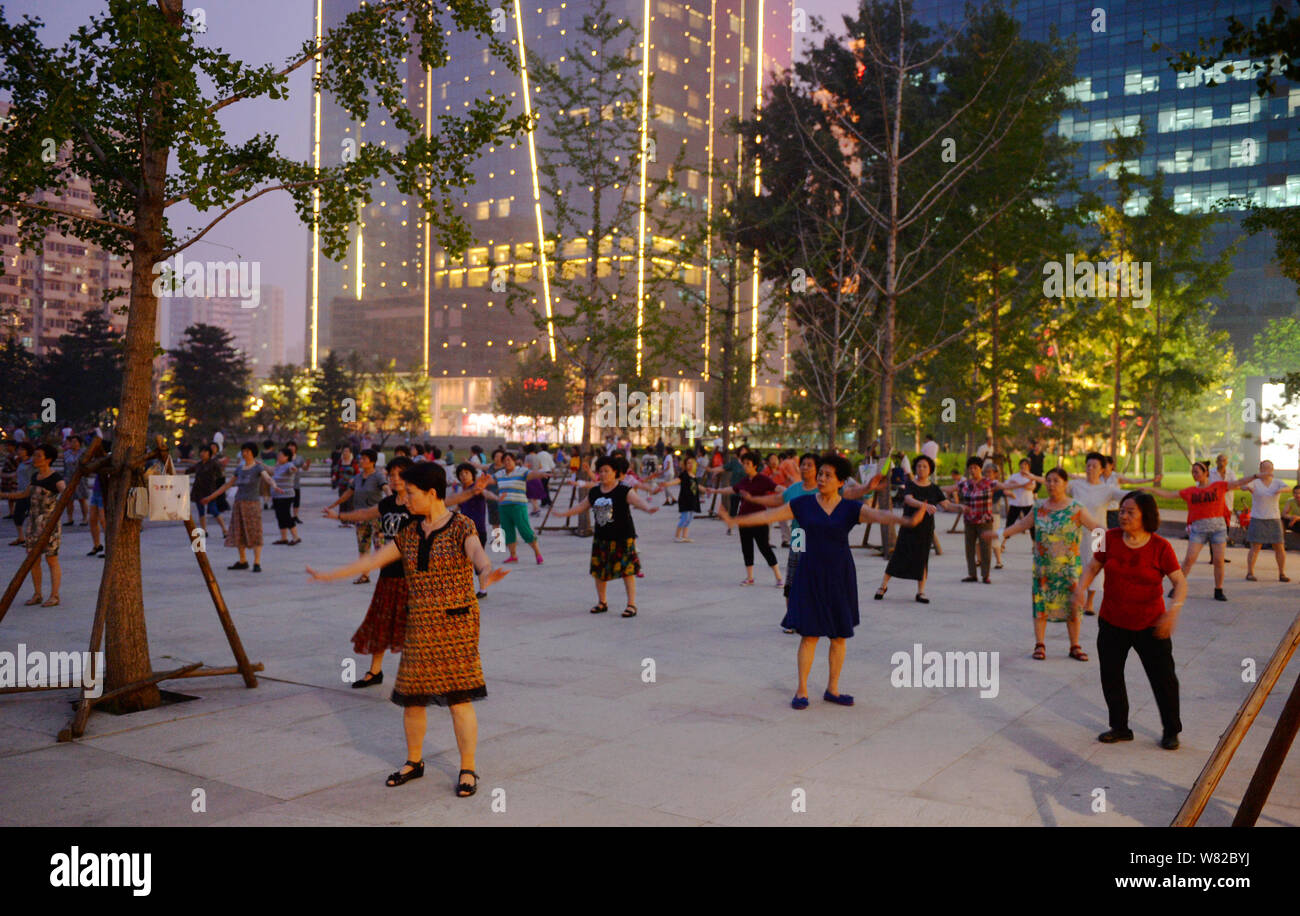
[{"x": 824, "y": 596}]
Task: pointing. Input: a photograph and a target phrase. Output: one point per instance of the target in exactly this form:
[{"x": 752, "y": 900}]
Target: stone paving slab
[{"x": 575, "y": 732}]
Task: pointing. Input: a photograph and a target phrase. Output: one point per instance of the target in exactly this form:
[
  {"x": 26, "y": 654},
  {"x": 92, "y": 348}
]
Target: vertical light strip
[
  {"x": 708, "y": 192},
  {"x": 645, "y": 136},
  {"x": 428, "y": 251},
  {"x": 314, "y": 343},
  {"x": 537, "y": 194},
  {"x": 361, "y": 247},
  {"x": 758, "y": 171}
]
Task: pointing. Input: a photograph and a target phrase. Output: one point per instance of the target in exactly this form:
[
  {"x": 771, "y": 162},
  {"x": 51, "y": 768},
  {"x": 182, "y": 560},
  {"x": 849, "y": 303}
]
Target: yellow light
[
  {"x": 532, "y": 161},
  {"x": 645, "y": 115}
]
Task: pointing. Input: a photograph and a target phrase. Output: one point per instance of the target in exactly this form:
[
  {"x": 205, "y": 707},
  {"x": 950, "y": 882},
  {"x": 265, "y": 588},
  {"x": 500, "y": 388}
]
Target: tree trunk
[
  {"x": 121, "y": 593},
  {"x": 995, "y": 406},
  {"x": 1114, "y": 410},
  {"x": 1158, "y": 459}
]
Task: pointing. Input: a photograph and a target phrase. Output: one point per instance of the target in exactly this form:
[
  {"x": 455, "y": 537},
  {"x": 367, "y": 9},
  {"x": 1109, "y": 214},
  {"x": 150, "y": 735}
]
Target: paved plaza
[{"x": 572, "y": 732}]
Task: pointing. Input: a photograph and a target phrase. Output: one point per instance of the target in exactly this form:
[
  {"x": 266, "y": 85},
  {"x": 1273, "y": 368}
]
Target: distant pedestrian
[{"x": 245, "y": 517}]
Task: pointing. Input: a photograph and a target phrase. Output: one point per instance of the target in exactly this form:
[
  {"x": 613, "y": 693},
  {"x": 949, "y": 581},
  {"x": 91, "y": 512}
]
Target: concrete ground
[{"x": 573, "y": 732}]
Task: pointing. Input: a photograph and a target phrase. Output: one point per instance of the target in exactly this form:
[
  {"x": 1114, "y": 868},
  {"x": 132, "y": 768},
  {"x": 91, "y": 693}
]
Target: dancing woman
[
  {"x": 1094, "y": 492},
  {"x": 687, "y": 501},
  {"x": 42, "y": 493},
  {"x": 1205, "y": 519},
  {"x": 385, "y": 621},
  {"x": 245, "y": 529},
  {"x": 439, "y": 551},
  {"x": 613, "y": 545},
  {"x": 824, "y": 595},
  {"x": 754, "y": 484},
  {"x": 911, "y": 556},
  {"x": 1060, "y": 525},
  {"x": 512, "y": 483},
  {"x": 1133, "y": 615}
]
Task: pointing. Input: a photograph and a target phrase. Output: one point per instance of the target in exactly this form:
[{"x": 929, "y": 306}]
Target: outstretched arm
[
  {"x": 482, "y": 565},
  {"x": 634, "y": 499},
  {"x": 574, "y": 510},
  {"x": 356, "y": 515},
  {"x": 783, "y": 514},
  {"x": 364, "y": 564}
]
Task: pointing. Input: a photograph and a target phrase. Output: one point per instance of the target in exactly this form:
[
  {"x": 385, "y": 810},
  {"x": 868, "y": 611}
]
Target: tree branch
[
  {"x": 231, "y": 209},
  {"x": 90, "y": 219}
]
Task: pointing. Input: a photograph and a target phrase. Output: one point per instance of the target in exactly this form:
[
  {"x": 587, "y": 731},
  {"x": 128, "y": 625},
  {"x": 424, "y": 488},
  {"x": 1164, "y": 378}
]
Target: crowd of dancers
[{"x": 429, "y": 526}]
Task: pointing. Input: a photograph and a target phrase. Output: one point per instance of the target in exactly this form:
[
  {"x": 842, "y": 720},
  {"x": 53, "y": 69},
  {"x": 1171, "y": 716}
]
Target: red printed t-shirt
[
  {"x": 758, "y": 485},
  {"x": 1205, "y": 502},
  {"x": 1133, "y": 597}
]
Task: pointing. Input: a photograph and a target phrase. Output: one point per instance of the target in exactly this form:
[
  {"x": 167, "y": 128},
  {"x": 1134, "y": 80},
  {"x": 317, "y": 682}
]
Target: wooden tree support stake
[
  {"x": 1270, "y": 762},
  {"x": 1215, "y": 767}
]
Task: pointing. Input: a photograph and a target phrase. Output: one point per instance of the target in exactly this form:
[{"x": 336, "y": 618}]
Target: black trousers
[
  {"x": 283, "y": 506},
  {"x": 756, "y": 535},
  {"x": 297, "y": 499},
  {"x": 1157, "y": 656}
]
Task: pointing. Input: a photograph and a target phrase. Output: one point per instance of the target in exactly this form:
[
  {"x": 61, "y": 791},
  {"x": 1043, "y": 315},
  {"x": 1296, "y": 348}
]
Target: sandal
[
  {"x": 922, "y": 599},
  {"x": 34, "y": 599},
  {"x": 629, "y": 611},
  {"x": 748, "y": 582},
  {"x": 880, "y": 592},
  {"x": 1077, "y": 652},
  {"x": 1282, "y": 578},
  {"x": 600, "y": 608},
  {"x": 464, "y": 789},
  {"x": 52, "y": 601},
  {"x": 1040, "y": 651},
  {"x": 361, "y": 579},
  {"x": 281, "y": 541},
  {"x": 1250, "y": 577},
  {"x": 400, "y": 778},
  {"x": 778, "y": 584}
]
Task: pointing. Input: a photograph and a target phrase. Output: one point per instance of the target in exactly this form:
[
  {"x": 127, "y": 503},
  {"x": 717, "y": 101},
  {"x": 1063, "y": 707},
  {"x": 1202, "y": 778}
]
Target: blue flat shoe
[
  {"x": 842, "y": 699},
  {"x": 799, "y": 703}
]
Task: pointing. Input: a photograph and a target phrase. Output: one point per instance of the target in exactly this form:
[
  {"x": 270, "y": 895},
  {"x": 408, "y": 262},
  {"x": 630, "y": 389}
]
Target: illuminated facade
[
  {"x": 1211, "y": 142},
  {"x": 709, "y": 60}
]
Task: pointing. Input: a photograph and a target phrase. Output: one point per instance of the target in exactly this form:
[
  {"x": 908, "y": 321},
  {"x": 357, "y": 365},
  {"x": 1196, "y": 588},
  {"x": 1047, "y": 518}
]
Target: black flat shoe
[
  {"x": 969, "y": 579},
  {"x": 464, "y": 789},
  {"x": 400, "y": 778},
  {"x": 1169, "y": 742},
  {"x": 238, "y": 566},
  {"x": 923, "y": 599},
  {"x": 1115, "y": 734},
  {"x": 1219, "y": 595},
  {"x": 480, "y": 594},
  {"x": 257, "y": 567},
  {"x": 880, "y": 593},
  {"x": 370, "y": 679}
]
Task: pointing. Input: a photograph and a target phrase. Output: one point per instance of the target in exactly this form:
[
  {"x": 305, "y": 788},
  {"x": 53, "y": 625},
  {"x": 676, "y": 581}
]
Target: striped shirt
[{"x": 513, "y": 486}]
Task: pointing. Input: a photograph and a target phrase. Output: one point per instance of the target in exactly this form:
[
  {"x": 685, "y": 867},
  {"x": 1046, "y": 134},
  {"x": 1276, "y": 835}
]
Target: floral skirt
[
  {"x": 245, "y": 528},
  {"x": 614, "y": 559}
]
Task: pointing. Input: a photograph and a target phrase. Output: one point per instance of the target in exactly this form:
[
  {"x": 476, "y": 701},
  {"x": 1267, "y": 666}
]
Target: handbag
[{"x": 169, "y": 496}]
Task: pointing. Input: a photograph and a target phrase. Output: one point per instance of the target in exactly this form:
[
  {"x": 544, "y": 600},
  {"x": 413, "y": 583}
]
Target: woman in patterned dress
[
  {"x": 439, "y": 551},
  {"x": 43, "y": 492},
  {"x": 1060, "y": 523}
]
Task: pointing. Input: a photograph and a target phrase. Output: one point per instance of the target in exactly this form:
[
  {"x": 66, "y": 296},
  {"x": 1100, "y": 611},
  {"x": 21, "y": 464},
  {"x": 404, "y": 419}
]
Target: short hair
[
  {"x": 753, "y": 457},
  {"x": 291, "y": 444},
  {"x": 974, "y": 461},
  {"x": 1108, "y": 460},
  {"x": 1146, "y": 504},
  {"x": 927, "y": 459},
  {"x": 417, "y": 448},
  {"x": 1059, "y": 472},
  {"x": 621, "y": 465},
  {"x": 808, "y": 456},
  {"x": 250, "y": 447},
  {"x": 268, "y": 443},
  {"x": 428, "y": 476},
  {"x": 498, "y": 451},
  {"x": 511, "y": 455},
  {"x": 607, "y": 461},
  {"x": 1024, "y": 461},
  {"x": 463, "y": 467},
  {"x": 75, "y": 436},
  {"x": 287, "y": 452},
  {"x": 399, "y": 464},
  {"x": 929, "y": 435},
  {"x": 205, "y": 448},
  {"x": 401, "y": 450},
  {"x": 837, "y": 463},
  {"x": 48, "y": 451},
  {"x": 371, "y": 454},
  {"x": 436, "y": 452},
  {"x": 1101, "y": 459}
]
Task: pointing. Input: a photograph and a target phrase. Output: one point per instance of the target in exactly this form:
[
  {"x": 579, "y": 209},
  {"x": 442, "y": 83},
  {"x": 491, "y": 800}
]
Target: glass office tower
[
  {"x": 1210, "y": 141},
  {"x": 709, "y": 59}
]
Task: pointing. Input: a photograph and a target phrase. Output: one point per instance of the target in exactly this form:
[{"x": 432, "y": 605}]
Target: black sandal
[
  {"x": 464, "y": 789},
  {"x": 880, "y": 593},
  {"x": 400, "y": 778},
  {"x": 600, "y": 608},
  {"x": 370, "y": 678},
  {"x": 629, "y": 611},
  {"x": 922, "y": 599}
]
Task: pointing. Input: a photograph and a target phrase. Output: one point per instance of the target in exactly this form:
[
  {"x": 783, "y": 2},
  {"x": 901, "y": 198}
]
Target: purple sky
[{"x": 259, "y": 32}]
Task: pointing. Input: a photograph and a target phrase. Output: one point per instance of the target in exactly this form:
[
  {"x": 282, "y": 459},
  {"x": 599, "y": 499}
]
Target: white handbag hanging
[{"x": 169, "y": 495}]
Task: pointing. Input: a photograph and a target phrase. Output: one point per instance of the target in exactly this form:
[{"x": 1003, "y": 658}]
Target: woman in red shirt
[
  {"x": 1205, "y": 513},
  {"x": 754, "y": 484},
  {"x": 1133, "y": 614}
]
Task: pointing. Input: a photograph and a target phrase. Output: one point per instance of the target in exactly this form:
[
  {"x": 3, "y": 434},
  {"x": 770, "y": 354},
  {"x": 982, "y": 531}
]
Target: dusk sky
[{"x": 258, "y": 32}]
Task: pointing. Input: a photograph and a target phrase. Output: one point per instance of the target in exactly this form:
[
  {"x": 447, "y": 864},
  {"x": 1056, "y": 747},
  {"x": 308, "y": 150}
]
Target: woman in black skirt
[{"x": 911, "y": 556}]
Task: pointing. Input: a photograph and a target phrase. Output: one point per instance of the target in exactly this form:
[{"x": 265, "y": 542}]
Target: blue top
[{"x": 824, "y": 591}]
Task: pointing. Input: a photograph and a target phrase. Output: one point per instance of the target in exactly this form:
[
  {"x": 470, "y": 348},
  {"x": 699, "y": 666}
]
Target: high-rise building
[
  {"x": 1211, "y": 142},
  {"x": 45, "y": 290},
  {"x": 709, "y": 60}
]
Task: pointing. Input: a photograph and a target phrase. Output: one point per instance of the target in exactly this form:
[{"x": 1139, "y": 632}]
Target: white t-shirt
[
  {"x": 545, "y": 461},
  {"x": 219, "y": 440},
  {"x": 930, "y": 450},
  {"x": 379, "y": 460},
  {"x": 984, "y": 451},
  {"x": 1095, "y": 496},
  {"x": 1113, "y": 505},
  {"x": 1227, "y": 477},
  {"x": 1263, "y": 498},
  {"x": 1023, "y": 496}
]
